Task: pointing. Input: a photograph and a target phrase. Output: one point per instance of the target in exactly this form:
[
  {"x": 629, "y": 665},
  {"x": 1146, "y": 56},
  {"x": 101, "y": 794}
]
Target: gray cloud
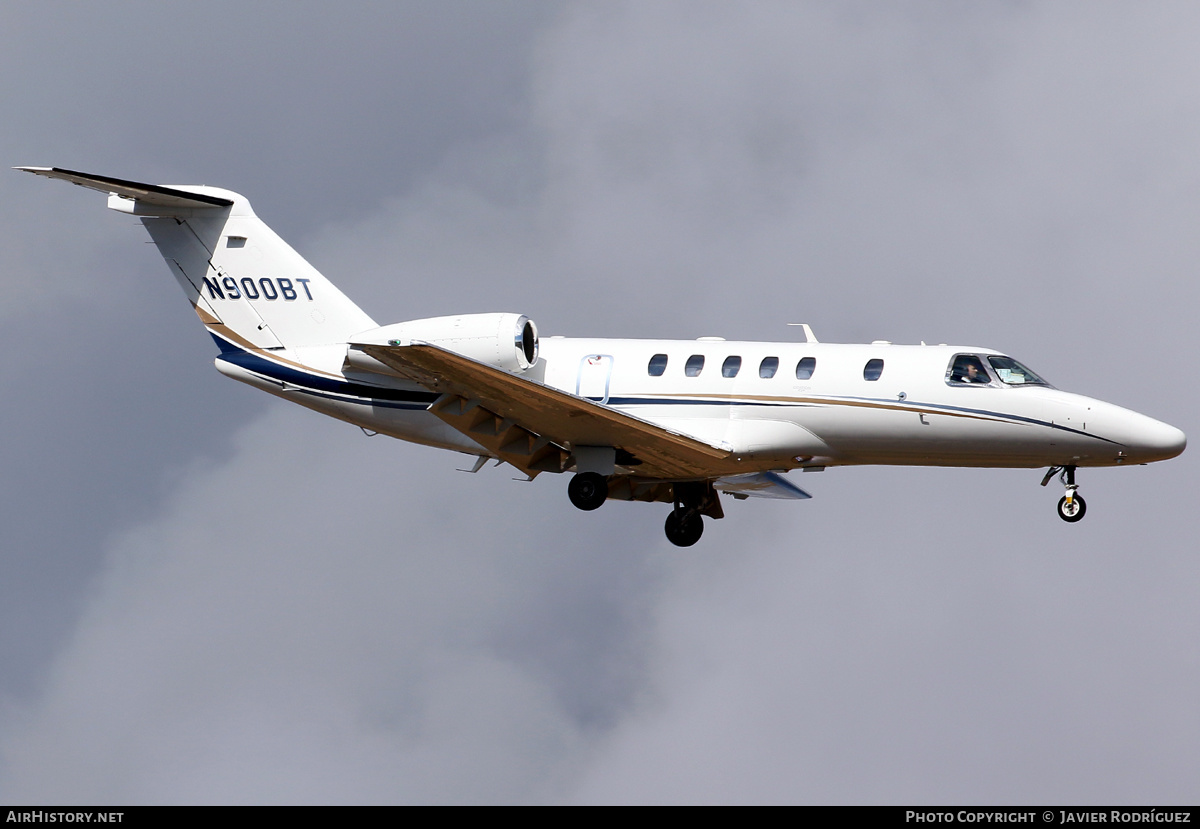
[
  {"x": 252, "y": 644},
  {"x": 216, "y": 599}
]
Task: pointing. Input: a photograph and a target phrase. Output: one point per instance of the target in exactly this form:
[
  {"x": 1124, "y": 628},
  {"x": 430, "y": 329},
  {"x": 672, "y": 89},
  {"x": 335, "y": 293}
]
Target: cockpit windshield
[{"x": 1013, "y": 373}]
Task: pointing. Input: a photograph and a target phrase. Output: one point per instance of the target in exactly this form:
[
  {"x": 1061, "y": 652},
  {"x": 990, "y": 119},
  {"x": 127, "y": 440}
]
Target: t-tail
[{"x": 251, "y": 290}]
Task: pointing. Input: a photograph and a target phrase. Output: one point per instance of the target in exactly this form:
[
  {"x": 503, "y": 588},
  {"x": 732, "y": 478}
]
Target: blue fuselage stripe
[{"x": 329, "y": 387}]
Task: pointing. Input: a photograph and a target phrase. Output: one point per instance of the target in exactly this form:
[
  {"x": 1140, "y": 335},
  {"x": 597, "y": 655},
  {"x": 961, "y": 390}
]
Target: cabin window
[
  {"x": 768, "y": 367},
  {"x": 731, "y": 366},
  {"x": 805, "y": 368},
  {"x": 967, "y": 370},
  {"x": 694, "y": 365},
  {"x": 873, "y": 369},
  {"x": 1014, "y": 374},
  {"x": 658, "y": 364}
]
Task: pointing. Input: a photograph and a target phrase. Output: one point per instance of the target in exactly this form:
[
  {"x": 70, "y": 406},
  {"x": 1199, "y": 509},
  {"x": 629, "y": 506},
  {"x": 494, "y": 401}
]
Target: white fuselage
[{"x": 912, "y": 414}]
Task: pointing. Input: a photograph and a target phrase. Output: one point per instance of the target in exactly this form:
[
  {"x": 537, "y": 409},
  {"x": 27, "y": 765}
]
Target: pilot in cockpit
[{"x": 968, "y": 369}]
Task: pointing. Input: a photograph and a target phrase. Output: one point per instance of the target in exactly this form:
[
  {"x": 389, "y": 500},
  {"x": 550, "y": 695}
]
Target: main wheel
[
  {"x": 1071, "y": 512},
  {"x": 684, "y": 532},
  {"x": 588, "y": 490}
]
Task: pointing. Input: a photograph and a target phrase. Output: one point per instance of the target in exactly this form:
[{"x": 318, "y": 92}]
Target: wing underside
[{"x": 535, "y": 427}]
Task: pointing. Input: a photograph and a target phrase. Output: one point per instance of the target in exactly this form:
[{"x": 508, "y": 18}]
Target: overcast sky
[{"x": 209, "y": 596}]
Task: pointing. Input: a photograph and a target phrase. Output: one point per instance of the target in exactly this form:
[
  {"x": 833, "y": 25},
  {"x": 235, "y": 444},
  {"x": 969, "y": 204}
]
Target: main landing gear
[
  {"x": 1071, "y": 507},
  {"x": 685, "y": 523},
  {"x": 693, "y": 500},
  {"x": 684, "y": 526},
  {"x": 588, "y": 490}
]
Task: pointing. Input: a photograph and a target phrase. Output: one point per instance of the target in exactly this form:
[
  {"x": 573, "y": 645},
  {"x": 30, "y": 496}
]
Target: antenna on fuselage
[{"x": 809, "y": 336}]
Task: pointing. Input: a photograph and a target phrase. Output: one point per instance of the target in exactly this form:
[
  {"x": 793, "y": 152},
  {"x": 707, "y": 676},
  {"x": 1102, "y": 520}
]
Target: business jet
[{"x": 677, "y": 421}]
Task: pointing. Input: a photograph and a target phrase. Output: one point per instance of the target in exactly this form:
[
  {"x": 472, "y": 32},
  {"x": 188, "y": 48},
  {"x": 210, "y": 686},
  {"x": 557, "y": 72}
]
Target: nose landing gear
[{"x": 1071, "y": 507}]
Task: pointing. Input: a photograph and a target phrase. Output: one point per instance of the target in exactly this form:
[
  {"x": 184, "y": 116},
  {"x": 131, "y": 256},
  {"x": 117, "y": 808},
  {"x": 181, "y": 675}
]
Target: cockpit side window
[
  {"x": 1012, "y": 373},
  {"x": 967, "y": 370}
]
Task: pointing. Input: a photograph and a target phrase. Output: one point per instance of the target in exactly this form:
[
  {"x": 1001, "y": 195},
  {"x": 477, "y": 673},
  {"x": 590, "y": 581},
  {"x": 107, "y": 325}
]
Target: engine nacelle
[{"x": 507, "y": 341}]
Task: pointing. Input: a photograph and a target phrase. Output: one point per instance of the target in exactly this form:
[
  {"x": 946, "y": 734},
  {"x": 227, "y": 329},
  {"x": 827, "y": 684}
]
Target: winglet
[{"x": 152, "y": 195}]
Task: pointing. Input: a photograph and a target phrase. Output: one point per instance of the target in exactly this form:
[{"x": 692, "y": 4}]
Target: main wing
[{"x": 533, "y": 426}]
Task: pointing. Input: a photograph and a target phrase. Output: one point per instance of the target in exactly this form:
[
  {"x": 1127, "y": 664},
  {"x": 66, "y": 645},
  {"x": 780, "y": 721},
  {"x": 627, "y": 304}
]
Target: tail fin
[{"x": 248, "y": 286}]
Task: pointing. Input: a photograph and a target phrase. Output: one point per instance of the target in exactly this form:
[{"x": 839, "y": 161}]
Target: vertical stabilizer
[{"x": 248, "y": 286}]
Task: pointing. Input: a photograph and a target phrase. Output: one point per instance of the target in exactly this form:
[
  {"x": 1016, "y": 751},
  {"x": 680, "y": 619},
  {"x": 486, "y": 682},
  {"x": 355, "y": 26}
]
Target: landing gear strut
[
  {"x": 588, "y": 490},
  {"x": 1071, "y": 507}
]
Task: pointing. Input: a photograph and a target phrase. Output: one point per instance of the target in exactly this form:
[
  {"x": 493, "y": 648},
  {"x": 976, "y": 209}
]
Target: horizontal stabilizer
[
  {"x": 149, "y": 194},
  {"x": 761, "y": 485}
]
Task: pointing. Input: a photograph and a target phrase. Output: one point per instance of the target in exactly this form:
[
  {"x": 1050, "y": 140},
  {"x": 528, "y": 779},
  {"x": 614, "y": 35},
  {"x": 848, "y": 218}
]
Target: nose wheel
[{"x": 1071, "y": 507}]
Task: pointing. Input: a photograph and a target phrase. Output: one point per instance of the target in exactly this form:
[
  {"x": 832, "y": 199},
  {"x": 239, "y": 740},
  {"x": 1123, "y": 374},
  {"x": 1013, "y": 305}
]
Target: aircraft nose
[{"x": 1154, "y": 440}]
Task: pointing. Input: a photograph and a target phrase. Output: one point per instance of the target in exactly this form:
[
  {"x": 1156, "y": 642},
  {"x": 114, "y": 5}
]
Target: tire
[
  {"x": 1076, "y": 511},
  {"x": 681, "y": 532},
  {"x": 588, "y": 490}
]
